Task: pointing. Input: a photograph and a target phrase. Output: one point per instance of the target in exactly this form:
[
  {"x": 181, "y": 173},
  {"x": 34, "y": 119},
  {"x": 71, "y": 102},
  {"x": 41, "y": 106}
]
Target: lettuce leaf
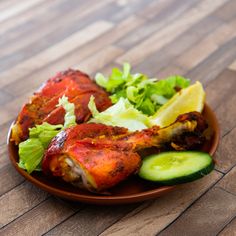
[
  {"x": 116, "y": 79},
  {"x": 145, "y": 94},
  {"x": 31, "y": 153},
  {"x": 121, "y": 114},
  {"x": 32, "y": 150},
  {"x": 69, "y": 107}
]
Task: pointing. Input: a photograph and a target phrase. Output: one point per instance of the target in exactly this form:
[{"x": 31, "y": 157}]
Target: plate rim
[{"x": 101, "y": 199}]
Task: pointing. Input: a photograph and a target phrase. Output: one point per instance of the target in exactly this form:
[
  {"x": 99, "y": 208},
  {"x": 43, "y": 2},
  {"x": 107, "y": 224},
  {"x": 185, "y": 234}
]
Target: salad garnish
[
  {"x": 145, "y": 94},
  {"x": 122, "y": 114},
  {"x": 31, "y": 151},
  {"x": 164, "y": 113}
]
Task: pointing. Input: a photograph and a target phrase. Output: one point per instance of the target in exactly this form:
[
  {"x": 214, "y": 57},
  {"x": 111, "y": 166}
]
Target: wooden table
[{"x": 194, "y": 38}]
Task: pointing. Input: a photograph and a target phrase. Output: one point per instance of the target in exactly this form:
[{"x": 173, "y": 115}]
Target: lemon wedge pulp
[{"x": 186, "y": 100}]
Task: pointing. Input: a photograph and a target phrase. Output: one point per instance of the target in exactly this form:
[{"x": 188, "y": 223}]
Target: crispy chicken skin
[
  {"x": 74, "y": 84},
  {"x": 101, "y": 165},
  {"x": 99, "y": 156}
]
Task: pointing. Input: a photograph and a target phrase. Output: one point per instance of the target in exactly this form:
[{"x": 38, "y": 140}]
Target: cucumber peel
[{"x": 170, "y": 168}]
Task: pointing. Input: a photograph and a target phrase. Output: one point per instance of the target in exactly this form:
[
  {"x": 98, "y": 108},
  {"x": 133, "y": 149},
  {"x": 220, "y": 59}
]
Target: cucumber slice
[{"x": 171, "y": 168}]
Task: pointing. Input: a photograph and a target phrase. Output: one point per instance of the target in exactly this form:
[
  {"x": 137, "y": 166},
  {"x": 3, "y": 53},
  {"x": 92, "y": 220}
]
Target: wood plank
[
  {"x": 229, "y": 230},
  {"x": 128, "y": 8},
  {"x": 214, "y": 64},
  {"x": 40, "y": 219},
  {"x": 67, "y": 12},
  {"x": 14, "y": 10},
  {"x": 15, "y": 104},
  {"x": 11, "y": 23},
  {"x": 227, "y": 12},
  {"x": 18, "y": 201},
  {"x": 7, "y": 4},
  {"x": 166, "y": 56},
  {"x": 205, "y": 47},
  {"x": 155, "y": 8},
  {"x": 99, "y": 60},
  {"x": 56, "y": 51},
  {"x": 5, "y": 97},
  {"x": 225, "y": 155},
  {"x": 162, "y": 18},
  {"x": 5, "y": 115},
  {"x": 35, "y": 78},
  {"x": 50, "y": 14},
  {"x": 228, "y": 182},
  {"x": 225, "y": 112},
  {"x": 170, "y": 70},
  {"x": 13, "y": 53},
  {"x": 232, "y": 66},
  {"x": 4, "y": 131},
  {"x": 89, "y": 65},
  {"x": 4, "y": 160},
  {"x": 224, "y": 85},
  {"x": 9, "y": 178},
  {"x": 170, "y": 32},
  {"x": 91, "y": 220},
  {"x": 161, "y": 212},
  {"x": 108, "y": 38},
  {"x": 205, "y": 217}
]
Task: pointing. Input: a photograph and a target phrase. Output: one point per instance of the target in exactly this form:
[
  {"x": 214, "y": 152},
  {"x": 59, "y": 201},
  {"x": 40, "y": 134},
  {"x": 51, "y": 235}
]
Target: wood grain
[
  {"x": 54, "y": 52},
  {"x": 37, "y": 77},
  {"x": 4, "y": 160},
  {"x": 155, "y": 8},
  {"x": 216, "y": 214},
  {"x": 23, "y": 6},
  {"x": 4, "y": 131},
  {"x": 225, "y": 155},
  {"x": 227, "y": 182},
  {"x": 211, "y": 67},
  {"x": 232, "y": 66},
  {"x": 224, "y": 85},
  {"x": 159, "y": 15},
  {"x": 230, "y": 229},
  {"x": 18, "y": 201},
  {"x": 52, "y": 34},
  {"x": 40, "y": 219},
  {"x": 169, "y": 33},
  {"x": 170, "y": 52},
  {"x": 161, "y": 212},
  {"x": 207, "y": 46},
  {"x": 227, "y": 12},
  {"x": 91, "y": 220},
  {"x": 25, "y": 17},
  {"x": 9, "y": 178},
  {"x": 99, "y": 59},
  {"x": 160, "y": 38}
]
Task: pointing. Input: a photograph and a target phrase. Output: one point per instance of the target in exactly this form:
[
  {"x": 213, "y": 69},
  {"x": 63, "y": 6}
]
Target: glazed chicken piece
[
  {"x": 74, "y": 84},
  {"x": 97, "y": 156}
]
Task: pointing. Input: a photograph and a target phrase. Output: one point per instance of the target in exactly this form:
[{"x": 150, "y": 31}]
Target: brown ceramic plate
[{"x": 131, "y": 190}]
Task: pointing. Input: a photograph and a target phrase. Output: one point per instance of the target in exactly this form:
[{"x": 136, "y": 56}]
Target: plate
[{"x": 131, "y": 190}]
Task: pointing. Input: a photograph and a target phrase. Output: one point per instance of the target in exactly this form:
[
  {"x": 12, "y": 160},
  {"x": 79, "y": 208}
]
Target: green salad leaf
[
  {"x": 145, "y": 94},
  {"x": 32, "y": 150},
  {"x": 69, "y": 107},
  {"x": 121, "y": 114}
]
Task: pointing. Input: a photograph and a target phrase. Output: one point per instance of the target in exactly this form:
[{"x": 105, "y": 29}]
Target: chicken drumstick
[{"x": 98, "y": 157}]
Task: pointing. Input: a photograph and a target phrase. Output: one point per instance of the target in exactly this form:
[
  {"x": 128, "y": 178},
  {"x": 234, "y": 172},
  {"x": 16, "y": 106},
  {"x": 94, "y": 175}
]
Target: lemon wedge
[{"x": 186, "y": 100}]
